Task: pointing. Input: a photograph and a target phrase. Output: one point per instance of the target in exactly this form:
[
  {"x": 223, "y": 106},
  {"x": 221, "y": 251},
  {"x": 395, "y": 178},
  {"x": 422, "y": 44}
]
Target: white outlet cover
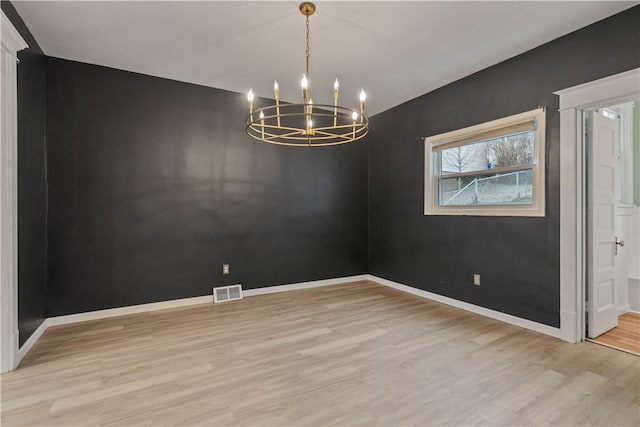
[{"x": 476, "y": 279}]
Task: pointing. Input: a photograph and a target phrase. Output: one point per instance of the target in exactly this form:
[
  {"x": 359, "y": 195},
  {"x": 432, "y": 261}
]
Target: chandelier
[{"x": 307, "y": 124}]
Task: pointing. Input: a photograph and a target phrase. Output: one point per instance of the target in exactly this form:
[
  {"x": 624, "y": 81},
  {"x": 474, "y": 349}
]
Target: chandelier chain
[{"x": 307, "y": 44}]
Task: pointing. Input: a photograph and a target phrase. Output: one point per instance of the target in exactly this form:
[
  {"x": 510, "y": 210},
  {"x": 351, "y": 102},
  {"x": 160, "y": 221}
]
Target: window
[
  {"x": 494, "y": 168},
  {"x": 610, "y": 113}
]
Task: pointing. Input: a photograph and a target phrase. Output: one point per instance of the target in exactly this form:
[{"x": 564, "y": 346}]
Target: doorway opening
[{"x": 612, "y": 224}]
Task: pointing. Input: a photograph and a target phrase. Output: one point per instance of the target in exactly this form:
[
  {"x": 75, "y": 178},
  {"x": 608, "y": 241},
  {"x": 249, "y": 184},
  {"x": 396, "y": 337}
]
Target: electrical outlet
[
  {"x": 476, "y": 279},
  {"x": 225, "y": 268}
]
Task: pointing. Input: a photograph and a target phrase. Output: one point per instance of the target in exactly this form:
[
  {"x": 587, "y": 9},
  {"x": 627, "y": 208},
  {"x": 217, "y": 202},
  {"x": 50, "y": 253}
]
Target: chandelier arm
[
  {"x": 304, "y": 141},
  {"x": 268, "y": 137},
  {"x": 346, "y": 136},
  {"x": 313, "y": 144},
  {"x": 324, "y": 128},
  {"x": 286, "y": 135},
  {"x": 257, "y": 133},
  {"x": 272, "y": 136},
  {"x": 303, "y": 137},
  {"x": 279, "y": 135},
  {"x": 254, "y": 125},
  {"x": 324, "y": 108},
  {"x": 324, "y": 144},
  {"x": 266, "y": 134},
  {"x": 346, "y": 126}
]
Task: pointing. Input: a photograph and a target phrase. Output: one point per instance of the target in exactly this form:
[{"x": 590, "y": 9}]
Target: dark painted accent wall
[
  {"x": 154, "y": 185},
  {"x": 32, "y": 182},
  {"x": 518, "y": 258}
]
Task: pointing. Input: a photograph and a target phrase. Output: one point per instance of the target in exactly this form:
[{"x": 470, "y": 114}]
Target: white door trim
[
  {"x": 610, "y": 90},
  {"x": 11, "y": 43}
]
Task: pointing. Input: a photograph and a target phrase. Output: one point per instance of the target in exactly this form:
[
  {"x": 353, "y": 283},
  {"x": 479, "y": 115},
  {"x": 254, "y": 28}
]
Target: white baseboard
[
  {"x": 35, "y": 336},
  {"x": 303, "y": 285},
  {"x": 183, "y": 302},
  {"x": 507, "y": 318},
  {"x": 162, "y": 305},
  {"x": 131, "y": 309},
  {"x": 624, "y": 309}
]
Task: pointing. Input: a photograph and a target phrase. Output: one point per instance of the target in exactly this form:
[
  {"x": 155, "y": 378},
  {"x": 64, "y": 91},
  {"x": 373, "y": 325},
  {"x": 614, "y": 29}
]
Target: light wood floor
[
  {"x": 626, "y": 335},
  {"x": 356, "y": 354}
]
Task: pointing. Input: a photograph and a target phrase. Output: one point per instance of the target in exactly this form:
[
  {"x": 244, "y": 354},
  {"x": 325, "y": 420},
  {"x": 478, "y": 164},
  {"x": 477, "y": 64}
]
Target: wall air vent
[{"x": 227, "y": 293}]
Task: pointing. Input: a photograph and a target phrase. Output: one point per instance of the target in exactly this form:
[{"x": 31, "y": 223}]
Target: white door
[{"x": 601, "y": 188}]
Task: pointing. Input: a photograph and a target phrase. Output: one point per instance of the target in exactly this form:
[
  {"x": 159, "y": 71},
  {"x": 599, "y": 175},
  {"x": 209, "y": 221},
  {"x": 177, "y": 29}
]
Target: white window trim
[
  {"x": 611, "y": 90},
  {"x": 536, "y": 209},
  {"x": 11, "y": 43}
]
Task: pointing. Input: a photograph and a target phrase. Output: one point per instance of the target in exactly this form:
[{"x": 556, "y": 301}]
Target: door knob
[{"x": 618, "y": 243}]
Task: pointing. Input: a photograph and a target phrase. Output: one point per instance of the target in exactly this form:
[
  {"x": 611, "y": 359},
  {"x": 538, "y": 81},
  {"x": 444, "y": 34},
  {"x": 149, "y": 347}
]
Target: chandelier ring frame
[{"x": 344, "y": 131}]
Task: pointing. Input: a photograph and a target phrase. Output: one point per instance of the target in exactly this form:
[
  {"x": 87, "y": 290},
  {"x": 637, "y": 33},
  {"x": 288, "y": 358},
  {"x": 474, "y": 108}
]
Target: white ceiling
[{"x": 395, "y": 50}]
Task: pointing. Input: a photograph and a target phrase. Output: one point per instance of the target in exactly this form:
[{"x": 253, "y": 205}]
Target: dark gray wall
[
  {"x": 154, "y": 185},
  {"x": 32, "y": 182},
  {"x": 518, "y": 258}
]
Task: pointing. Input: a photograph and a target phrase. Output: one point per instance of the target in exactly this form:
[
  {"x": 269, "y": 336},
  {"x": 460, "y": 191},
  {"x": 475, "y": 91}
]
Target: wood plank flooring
[
  {"x": 625, "y": 336},
  {"x": 357, "y": 354}
]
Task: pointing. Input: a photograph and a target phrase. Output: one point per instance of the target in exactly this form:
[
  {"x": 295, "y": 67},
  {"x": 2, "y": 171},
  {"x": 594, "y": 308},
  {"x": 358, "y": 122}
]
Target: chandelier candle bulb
[
  {"x": 250, "y": 98},
  {"x": 354, "y": 116},
  {"x": 309, "y": 129},
  {"x": 262, "y": 122},
  {"x": 276, "y": 91},
  {"x": 336, "y": 87},
  {"x": 363, "y": 97},
  {"x": 309, "y": 111},
  {"x": 305, "y": 88}
]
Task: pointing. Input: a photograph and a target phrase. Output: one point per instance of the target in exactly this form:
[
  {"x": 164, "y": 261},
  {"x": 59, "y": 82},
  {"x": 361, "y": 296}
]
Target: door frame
[
  {"x": 11, "y": 43},
  {"x": 615, "y": 89}
]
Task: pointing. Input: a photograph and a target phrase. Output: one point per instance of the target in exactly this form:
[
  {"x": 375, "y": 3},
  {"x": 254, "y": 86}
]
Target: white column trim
[
  {"x": 11, "y": 43},
  {"x": 610, "y": 90}
]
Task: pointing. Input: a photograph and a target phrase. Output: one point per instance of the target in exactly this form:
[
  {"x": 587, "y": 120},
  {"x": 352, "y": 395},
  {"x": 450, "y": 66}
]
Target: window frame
[{"x": 432, "y": 172}]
